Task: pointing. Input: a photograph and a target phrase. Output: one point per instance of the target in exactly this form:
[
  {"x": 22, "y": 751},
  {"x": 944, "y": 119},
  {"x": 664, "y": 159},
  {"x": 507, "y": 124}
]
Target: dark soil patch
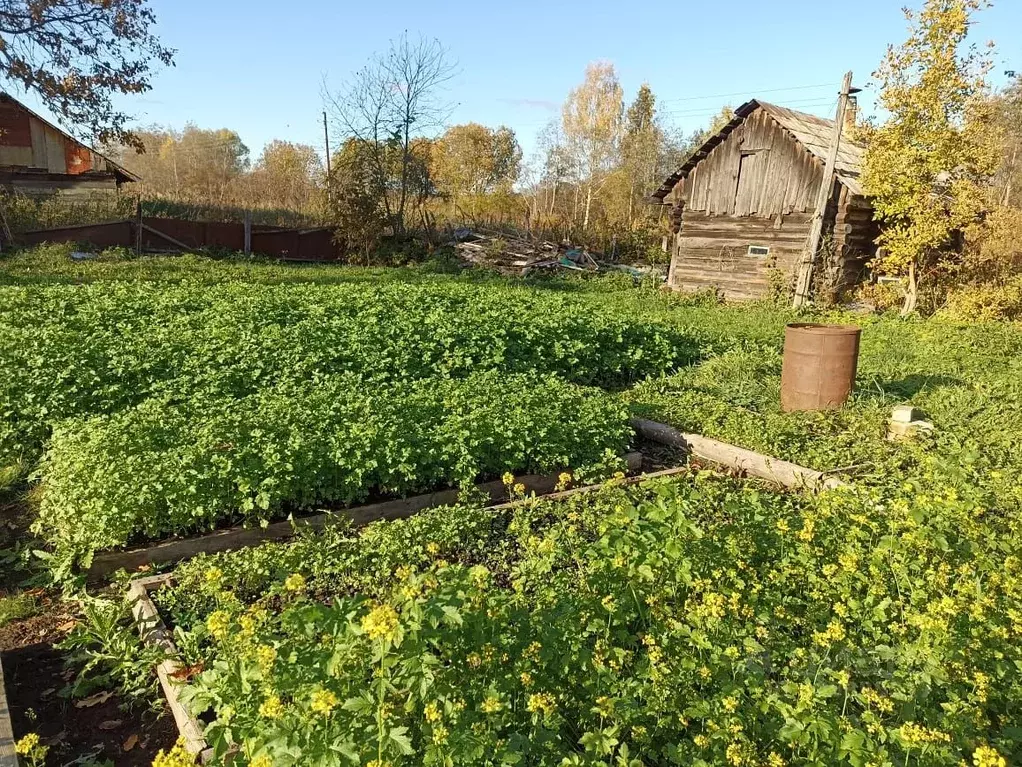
[{"x": 96, "y": 727}]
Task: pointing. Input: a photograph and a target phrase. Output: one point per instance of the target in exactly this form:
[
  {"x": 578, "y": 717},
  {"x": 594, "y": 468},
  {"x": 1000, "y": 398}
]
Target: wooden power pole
[
  {"x": 326, "y": 141},
  {"x": 805, "y": 269}
]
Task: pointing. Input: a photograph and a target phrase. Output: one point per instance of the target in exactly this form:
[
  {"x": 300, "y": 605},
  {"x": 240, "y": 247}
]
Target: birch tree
[{"x": 591, "y": 120}]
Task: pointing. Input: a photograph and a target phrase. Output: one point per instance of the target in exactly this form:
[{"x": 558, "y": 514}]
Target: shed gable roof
[
  {"x": 122, "y": 173},
  {"x": 812, "y": 132}
]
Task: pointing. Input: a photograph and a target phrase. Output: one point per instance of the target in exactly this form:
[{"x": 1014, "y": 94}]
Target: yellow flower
[
  {"x": 432, "y": 549},
  {"x": 218, "y": 623},
  {"x": 730, "y": 703},
  {"x": 775, "y": 760},
  {"x": 782, "y": 526},
  {"x": 526, "y": 679},
  {"x": 377, "y": 763},
  {"x": 432, "y": 712},
  {"x": 519, "y": 488},
  {"x": 213, "y": 576},
  {"x": 265, "y": 656},
  {"x": 323, "y": 702},
  {"x": 261, "y": 761},
  {"x": 294, "y": 583},
  {"x": 178, "y": 756},
  {"x": 563, "y": 480},
  {"x": 541, "y": 703},
  {"x": 737, "y": 755},
  {"x": 440, "y": 734},
  {"x": 701, "y": 740},
  {"x": 480, "y": 576},
  {"x": 382, "y": 622},
  {"x": 915, "y": 734},
  {"x": 491, "y": 705},
  {"x": 508, "y": 478},
  {"x": 30, "y": 747},
  {"x": 271, "y": 708},
  {"x": 986, "y": 756}
]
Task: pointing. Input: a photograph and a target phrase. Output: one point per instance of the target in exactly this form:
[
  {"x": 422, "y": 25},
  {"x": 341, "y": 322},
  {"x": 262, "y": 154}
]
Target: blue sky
[{"x": 257, "y": 66}]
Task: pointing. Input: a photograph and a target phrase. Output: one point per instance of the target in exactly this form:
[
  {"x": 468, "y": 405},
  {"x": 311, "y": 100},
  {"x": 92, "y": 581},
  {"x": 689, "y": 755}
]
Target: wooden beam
[
  {"x": 154, "y": 633},
  {"x": 168, "y": 238},
  {"x": 8, "y": 758},
  {"x": 803, "y": 284},
  {"x": 176, "y": 550},
  {"x": 739, "y": 459}
]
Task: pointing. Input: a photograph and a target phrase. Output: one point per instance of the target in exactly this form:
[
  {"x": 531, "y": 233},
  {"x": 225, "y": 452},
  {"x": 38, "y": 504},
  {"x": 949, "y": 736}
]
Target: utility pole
[
  {"x": 326, "y": 141},
  {"x": 805, "y": 269}
]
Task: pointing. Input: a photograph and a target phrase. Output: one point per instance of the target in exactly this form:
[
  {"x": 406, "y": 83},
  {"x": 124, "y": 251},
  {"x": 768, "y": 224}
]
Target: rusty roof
[
  {"x": 810, "y": 131},
  {"x": 118, "y": 170}
]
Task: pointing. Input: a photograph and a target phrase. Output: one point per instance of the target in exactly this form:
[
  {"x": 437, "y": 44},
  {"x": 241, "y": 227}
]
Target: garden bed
[
  {"x": 99, "y": 726},
  {"x": 106, "y": 563}
]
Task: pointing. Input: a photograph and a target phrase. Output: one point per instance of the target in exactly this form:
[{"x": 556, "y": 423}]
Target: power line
[
  {"x": 710, "y": 111},
  {"x": 745, "y": 92}
]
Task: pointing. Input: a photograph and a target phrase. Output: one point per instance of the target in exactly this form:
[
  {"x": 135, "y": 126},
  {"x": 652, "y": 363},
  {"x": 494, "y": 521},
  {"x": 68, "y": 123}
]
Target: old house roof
[
  {"x": 810, "y": 131},
  {"x": 120, "y": 172}
]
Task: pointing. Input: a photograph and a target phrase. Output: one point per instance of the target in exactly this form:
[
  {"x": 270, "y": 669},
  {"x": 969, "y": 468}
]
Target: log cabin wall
[{"x": 744, "y": 210}]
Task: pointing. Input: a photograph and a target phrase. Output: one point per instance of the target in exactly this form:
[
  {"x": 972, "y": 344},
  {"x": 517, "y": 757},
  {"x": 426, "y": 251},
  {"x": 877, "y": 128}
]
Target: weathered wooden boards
[
  {"x": 739, "y": 459},
  {"x": 239, "y": 537},
  {"x": 155, "y": 633},
  {"x": 8, "y": 758}
]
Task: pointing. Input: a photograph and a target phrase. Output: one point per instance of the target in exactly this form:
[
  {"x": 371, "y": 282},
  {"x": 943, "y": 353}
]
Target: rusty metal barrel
[{"x": 819, "y": 365}]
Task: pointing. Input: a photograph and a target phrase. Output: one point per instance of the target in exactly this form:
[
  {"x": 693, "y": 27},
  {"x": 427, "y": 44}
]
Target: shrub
[{"x": 977, "y": 303}]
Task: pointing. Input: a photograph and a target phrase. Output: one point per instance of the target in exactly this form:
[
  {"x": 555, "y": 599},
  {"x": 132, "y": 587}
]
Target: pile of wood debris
[{"x": 516, "y": 256}]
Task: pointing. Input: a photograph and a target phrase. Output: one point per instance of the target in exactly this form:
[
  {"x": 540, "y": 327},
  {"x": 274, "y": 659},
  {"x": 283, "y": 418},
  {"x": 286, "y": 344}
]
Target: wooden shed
[
  {"x": 39, "y": 159},
  {"x": 742, "y": 205}
]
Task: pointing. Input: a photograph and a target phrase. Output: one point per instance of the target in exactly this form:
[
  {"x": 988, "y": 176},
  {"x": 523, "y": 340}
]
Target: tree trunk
[
  {"x": 911, "y": 292},
  {"x": 589, "y": 202}
]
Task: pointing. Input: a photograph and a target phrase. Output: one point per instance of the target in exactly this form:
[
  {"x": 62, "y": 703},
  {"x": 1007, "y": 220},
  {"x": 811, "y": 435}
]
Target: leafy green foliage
[
  {"x": 171, "y": 466},
  {"x": 104, "y": 347},
  {"x": 689, "y": 622},
  {"x": 104, "y": 648}
]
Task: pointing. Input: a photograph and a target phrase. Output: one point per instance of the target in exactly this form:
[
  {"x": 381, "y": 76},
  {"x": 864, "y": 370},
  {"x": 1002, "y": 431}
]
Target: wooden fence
[{"x": 173, "y": 234}]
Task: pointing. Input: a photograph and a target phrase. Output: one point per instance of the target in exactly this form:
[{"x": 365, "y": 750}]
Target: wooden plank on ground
[
  {"x": 766, "y": 467},
  {"x": 155, "y": 633},
  {"x": 8, "y": 758},
  {"x": 106, "y": 563}
]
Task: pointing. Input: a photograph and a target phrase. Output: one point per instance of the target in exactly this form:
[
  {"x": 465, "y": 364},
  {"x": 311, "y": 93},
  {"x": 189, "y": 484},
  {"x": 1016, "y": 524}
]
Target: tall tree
[
  {"x": 924, "y": 167},
  {"x": 470, "y": 161},
  {"x": 591, "y": 120},
  {"x": 394, "y": 99},
  {"x": 288, "y": 176},
  {"x": 1007, "y": 107},
  {"x": 77, "y": 54},
  {"x": 640, "y": 147}
]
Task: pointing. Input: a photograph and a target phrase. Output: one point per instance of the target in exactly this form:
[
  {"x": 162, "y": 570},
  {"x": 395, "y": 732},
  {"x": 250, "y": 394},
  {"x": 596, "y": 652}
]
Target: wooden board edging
[
  {"x": 154, "y": 632},
  {"x": 785, "y": 473},
  {"x": 8, "y": 756},
  {"x": 176, "y": 550}
]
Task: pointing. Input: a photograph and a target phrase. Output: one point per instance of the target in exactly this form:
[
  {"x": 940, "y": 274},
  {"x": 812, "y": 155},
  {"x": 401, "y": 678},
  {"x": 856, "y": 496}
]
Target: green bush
[
  {"x": 174, "y": 465},
  {"x": 979, "y": 303}
]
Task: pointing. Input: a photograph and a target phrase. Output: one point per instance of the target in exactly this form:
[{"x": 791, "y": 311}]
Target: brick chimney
[{"x": 851, "y": 112}]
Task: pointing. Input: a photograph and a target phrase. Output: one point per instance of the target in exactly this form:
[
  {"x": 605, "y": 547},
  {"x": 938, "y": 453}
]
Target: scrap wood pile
[
  {"x": 512, "y": 255},
  {"x": 518, "y": 256}
]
